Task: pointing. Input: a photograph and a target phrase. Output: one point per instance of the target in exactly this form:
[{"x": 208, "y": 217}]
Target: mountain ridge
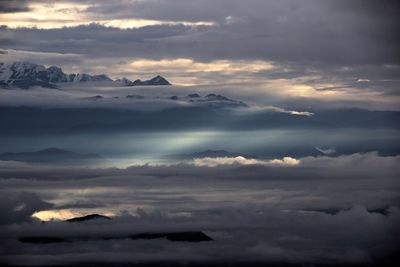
[
  {"x": 89, "y": 217},
  {"x": 211, "y": 100},
  {"x": 22, "y": 74},
  {"x": 157, "y": 80},
  {"x": 51, "y": 155}
]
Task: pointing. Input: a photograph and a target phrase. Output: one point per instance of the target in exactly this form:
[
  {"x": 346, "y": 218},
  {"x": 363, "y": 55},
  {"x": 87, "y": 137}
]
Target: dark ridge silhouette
[
  {"x": 176, "y": 236},
  {"x": 158, "y": 80},
  {"x": 191, "y": 236},
  {"x": 333, "y": 211},
  {"x": 193, "y": 95},
  {"x": 48, "y": 155},
  {"x": 95, "y": 97},
  {"x": 42, "y": 239},
  {"x": 214, "y": 263},
  {"x": 88, "y": 218}
]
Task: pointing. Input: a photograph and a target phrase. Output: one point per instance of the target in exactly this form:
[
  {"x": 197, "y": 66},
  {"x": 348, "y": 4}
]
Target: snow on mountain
[
  {"x": 25, "y": 75},
  {"x": 158, "y": 80},
  {"x": 83, "y": 77},
  {"x": 125, "y": 82}
]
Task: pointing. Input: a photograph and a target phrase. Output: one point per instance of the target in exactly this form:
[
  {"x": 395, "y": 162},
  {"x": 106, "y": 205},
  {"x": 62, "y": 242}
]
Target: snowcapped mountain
[
  {"x": 25, "y": 75},
  {"x": 124, "y": 82},
  {"x": 83, "y": 77},
  {"x": 158, "y": 80}
]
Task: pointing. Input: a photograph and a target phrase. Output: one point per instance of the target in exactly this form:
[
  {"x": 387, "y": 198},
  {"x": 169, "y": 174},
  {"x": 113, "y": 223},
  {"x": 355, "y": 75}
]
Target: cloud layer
[
  {"x": 254, "y": 211},
  {"x": 320, "y": 81},
  {"x": 330, "y": 50},
  {"x": 213, "y": 162}
]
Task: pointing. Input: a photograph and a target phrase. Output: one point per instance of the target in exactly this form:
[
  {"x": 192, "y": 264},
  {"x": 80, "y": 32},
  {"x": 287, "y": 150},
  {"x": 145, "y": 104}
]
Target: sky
[
  {"x": 288, "y": 155},
  {"x": 309, "y": 49}
]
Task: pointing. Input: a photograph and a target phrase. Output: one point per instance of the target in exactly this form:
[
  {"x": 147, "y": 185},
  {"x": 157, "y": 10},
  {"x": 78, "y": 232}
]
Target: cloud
[
  {"x": 243, "y": 235},
  {"x": 44, "y": 15},
  {"x": 13, "y": 6},
  {"x": 156, "y": 111},
  {"x": 186, "y": 71},
  {"x": 288, "y": 30},
  {"x": 363, "y": 178},
  {"x": 213, "y": 162},
  {"x": 287, "y": 35},
  {"x": 253, "y": 209},
  {"x": 260, "y": 109},
  {"x": 326, "y": 151},
  {"x": 68, "y": 61},
  {"x": 19, "y": 207},
  {"x": 300, "y": 65}
]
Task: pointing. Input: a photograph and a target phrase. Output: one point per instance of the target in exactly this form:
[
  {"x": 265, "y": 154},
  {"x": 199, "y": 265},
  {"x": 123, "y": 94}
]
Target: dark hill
[{"x": 49, "y": 155}]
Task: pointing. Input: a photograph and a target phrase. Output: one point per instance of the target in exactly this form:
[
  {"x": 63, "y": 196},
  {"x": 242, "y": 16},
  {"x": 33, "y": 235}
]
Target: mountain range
[
  {"x": 187, "y": 236},
  {"x": 182, "y": 236},
  {"x": 210, "y": 100},
  {"x": 158, "y": 80},
  {"x": 50, "y": 155},
  {"x": 25, "y": 75},
  {"x": 88, "y": 218}
]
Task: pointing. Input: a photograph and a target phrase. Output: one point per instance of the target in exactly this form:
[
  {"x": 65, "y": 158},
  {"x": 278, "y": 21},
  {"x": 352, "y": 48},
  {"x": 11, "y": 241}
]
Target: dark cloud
[
  {"x": 240, "y": 236},
  {"x": 14, "y": 6},
  {"x": 339, "y": 41},
  {"x": 19, "y": 207},
  {"x": 286, "y": 31},
  {"x": 307, "y": 208},
  {"x": 253, "y": 212},
  {"x": 185, "y": 183},
  {"x": 95, "y": 40}
]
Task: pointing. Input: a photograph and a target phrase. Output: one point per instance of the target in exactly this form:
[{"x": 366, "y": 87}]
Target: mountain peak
[
  {"x": 24, "y": 75},
  {"x": 88, "y": 218},
  {"x": 157, "y": 80},
  {"x": 49, "y": 155}
]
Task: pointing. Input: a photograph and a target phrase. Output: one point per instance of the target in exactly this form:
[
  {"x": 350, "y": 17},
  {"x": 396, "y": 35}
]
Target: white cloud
[
  {"x": 326, "y": 151},
  {"x": 61, "y": 14},
  {"x": 213, "y": 162},
  {"x": 46, "y": 58},
  {"x": 363, "y": 80},
  {"x": 259, "y": 109}
]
